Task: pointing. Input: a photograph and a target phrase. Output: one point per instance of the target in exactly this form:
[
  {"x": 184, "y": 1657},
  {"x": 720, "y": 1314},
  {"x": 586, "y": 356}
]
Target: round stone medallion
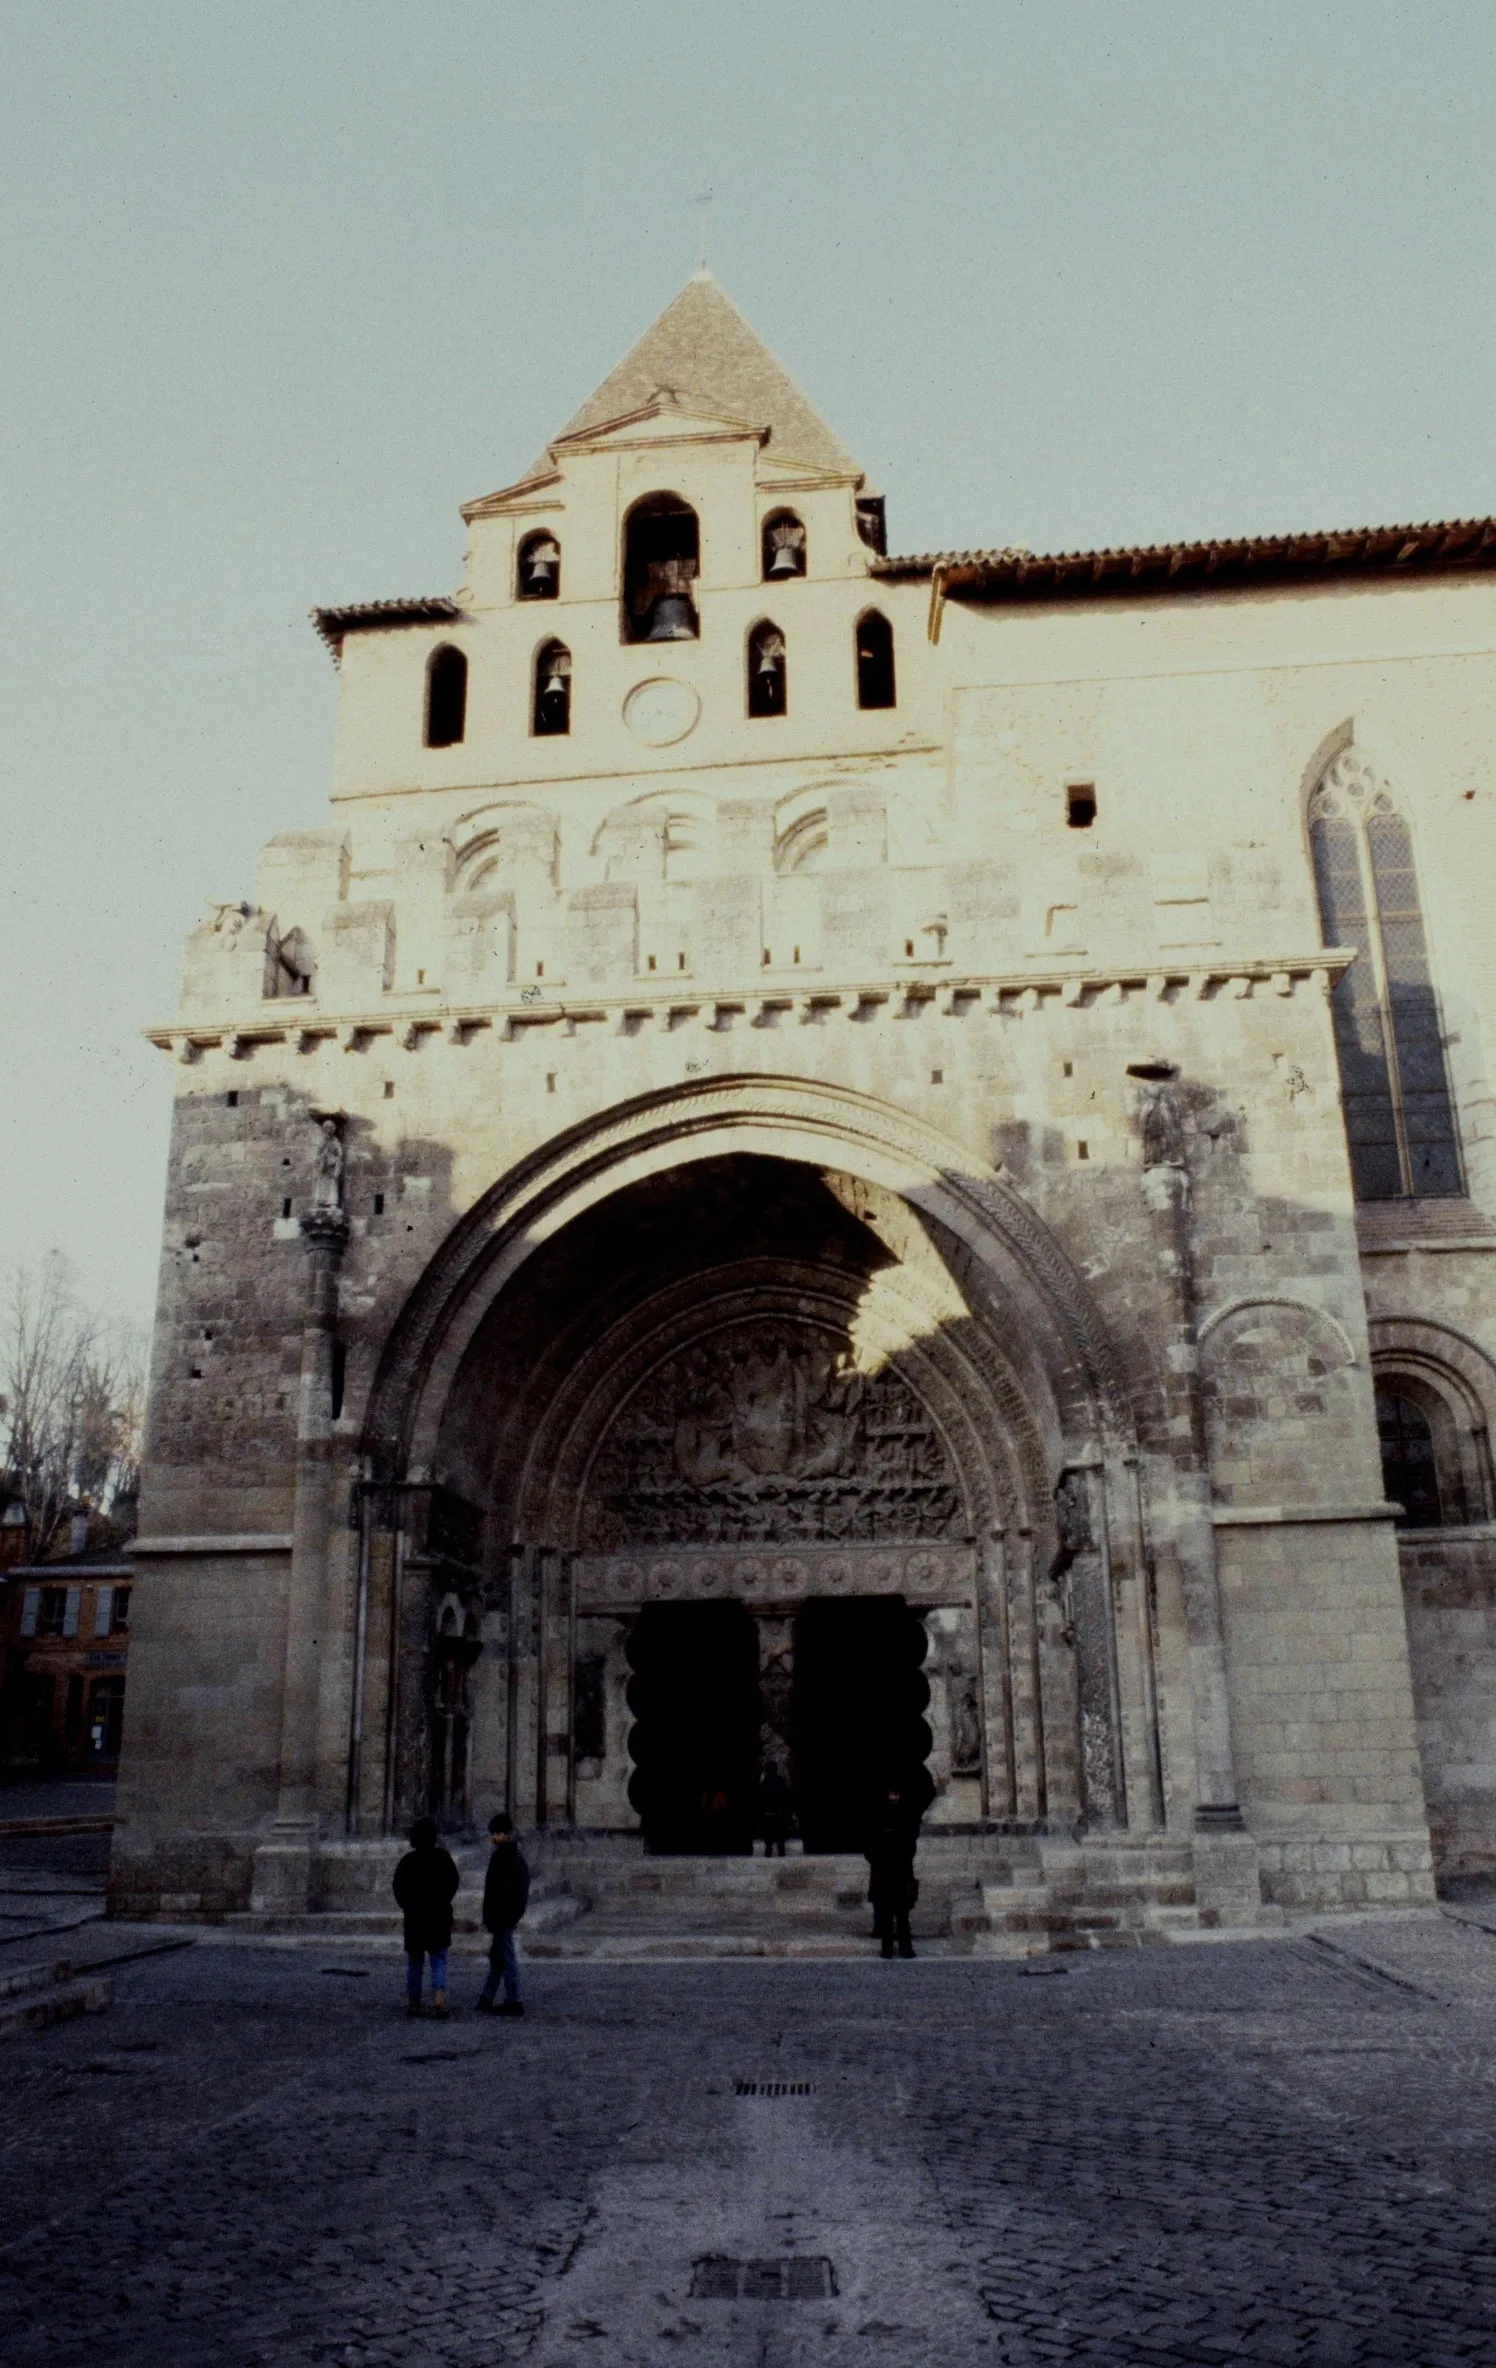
[{"x": 661, "y": 711}]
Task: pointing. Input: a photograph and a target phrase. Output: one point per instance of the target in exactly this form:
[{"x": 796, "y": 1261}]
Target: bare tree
[{"x": 72, "y": 1391}]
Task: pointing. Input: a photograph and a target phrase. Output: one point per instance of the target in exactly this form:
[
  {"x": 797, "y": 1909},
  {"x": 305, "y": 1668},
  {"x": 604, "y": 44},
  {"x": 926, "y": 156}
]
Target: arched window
[
  {"x": 661, "y": 560},
  {"x": 875, "y": 685},
  {"x": 446, "y": 697},
  {"x": 550, "y": 711},
  {"x": 1394, "y": 1086},
  {"x": 537, "y": 573},
  {"x": 1410, "y": 1460},
  {"x": 768, "y": 685},
  {"x": 783, "y": 547}
]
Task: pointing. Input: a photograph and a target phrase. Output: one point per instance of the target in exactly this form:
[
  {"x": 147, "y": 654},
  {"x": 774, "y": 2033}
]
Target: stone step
[{"x": 33, "y": 1997}]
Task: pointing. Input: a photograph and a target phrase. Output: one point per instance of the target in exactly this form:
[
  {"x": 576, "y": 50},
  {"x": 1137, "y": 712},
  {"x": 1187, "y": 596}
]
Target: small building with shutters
[{"x": 64, "y": 1642}]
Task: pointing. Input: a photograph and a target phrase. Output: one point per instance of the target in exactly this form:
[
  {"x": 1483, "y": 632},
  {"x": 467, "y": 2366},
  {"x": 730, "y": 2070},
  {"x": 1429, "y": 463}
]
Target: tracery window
[{"x": 1394, "y": 1086}]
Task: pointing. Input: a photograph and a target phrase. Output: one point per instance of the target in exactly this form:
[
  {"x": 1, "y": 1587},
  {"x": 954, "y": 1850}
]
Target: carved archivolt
[
  {"x": 832, "y": 1126},
  {"x": 1448, "y": 1356}
]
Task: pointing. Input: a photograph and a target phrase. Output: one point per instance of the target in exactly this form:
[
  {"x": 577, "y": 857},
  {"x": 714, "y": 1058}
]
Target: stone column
[
  {"x": 1030, "y": 1786},
  {"x": 1226, "y": 1872},
  {"x": 999, "y": 1788},
  {"x": 1084, "y": 1564},
  {"x": 283, "y": 1873}
]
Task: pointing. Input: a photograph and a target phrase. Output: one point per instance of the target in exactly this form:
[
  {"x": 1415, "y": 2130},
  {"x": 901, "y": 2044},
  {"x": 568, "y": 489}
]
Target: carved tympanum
[{"x": 770, "y": 1432}]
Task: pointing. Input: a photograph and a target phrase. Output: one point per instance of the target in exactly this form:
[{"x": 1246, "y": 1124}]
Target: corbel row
[{"x": 1004, "y": 998}]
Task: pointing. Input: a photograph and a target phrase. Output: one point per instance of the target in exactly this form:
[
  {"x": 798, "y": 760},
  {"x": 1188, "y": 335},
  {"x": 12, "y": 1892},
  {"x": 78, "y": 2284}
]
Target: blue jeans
[
  {"x": 503, "y": 1965},
  {"x": 414, "y": 1959}
]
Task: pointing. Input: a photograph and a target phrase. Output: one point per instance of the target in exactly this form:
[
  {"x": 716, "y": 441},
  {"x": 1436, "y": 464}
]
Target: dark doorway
[
  {"x": 860, "y": 1696},
  {"x": 694, "y": 1697}
]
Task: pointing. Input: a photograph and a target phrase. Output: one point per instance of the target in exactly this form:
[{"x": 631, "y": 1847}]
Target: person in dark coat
[
  {"x": 506, "y": 1894},
  {"x": 776, "y": 1805},
  {"x": 425, "y": 1886},
  {"x": 892, "y": 1888}
]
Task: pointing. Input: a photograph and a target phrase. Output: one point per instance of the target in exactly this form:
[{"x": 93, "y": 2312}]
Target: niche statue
[{"x": 327, "y": 1185}]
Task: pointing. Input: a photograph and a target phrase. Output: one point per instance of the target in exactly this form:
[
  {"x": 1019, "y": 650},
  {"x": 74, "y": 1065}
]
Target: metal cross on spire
[{"x": 704, "y": 205}]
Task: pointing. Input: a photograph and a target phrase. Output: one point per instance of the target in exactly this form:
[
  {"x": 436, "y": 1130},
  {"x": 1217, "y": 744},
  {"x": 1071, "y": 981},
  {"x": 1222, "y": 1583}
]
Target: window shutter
[
  {"x": 70, "y": 1614},
  {"x": 30, "y": 1606},
  {"x": 103, "y": 1610}
]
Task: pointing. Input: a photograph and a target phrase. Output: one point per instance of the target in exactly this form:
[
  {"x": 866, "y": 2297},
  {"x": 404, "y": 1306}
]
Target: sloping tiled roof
[
  {"x": 1016, "y": 574},
  {"x": 365, "y": 616},
  {"x": 701, "y": 346}
]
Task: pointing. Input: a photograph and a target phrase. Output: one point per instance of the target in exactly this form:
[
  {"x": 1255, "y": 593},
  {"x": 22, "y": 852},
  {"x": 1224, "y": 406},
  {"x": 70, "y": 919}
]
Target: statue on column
[
  {"x": 327, "y": 1190},
  {"x": 325, "y": 1222}
]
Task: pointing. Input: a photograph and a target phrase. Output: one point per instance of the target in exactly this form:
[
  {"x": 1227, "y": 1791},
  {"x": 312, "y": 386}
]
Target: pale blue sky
[{"x": 283, "y": 284}]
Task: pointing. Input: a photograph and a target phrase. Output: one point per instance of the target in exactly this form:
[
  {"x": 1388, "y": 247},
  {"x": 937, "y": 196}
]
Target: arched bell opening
[{"x": 661, "y": 562}]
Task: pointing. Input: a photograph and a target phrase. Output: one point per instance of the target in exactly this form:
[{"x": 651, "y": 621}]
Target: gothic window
[
  {"x": 783, "y": 552},
  {"x": 875, "y": 685},
  {"x": 1399, "y": 1117},
  {"x": 551, "y": 710},
  {"x": 661, "y": 561},
  {"x": 767, "y": 683},
  {"x": 446, "y": 697},
  {"x": 537, "y": 574}
]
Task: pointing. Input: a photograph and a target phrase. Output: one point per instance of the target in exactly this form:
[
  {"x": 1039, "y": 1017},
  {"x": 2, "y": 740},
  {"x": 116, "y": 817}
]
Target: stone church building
[{"x": 876, "y": 1166}]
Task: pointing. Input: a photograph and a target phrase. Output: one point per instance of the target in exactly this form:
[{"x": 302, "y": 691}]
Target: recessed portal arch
[{"x": 763, "y": 1345}]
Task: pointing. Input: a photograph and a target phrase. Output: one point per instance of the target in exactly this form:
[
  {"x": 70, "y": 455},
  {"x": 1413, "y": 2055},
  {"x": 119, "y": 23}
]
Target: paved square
[{"x": 1278, "y": 2150}]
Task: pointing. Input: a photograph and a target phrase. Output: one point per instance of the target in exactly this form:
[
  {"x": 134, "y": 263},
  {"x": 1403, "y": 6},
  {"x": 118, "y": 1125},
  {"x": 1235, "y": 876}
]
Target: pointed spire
[{"x": 702, "y": 347}]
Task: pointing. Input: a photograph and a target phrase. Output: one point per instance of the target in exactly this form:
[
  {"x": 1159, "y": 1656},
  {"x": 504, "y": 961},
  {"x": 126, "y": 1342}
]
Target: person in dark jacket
[
  {"x": 425, "y": 1886},
  {"x": 776, "y": 1807},
  {"x": 506, "y": 1894},
  {"x": 892, "y": 1888}
]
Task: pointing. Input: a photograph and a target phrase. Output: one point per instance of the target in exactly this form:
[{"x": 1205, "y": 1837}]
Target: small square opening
[
  {"x": 1080, "y": 804},
  {"x": 389, "y": 1089},
  {"x": 231, "y": 1099}
]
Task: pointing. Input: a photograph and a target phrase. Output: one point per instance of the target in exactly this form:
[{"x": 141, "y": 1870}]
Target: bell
[
  {"x": 554, "y": 686},
  {"x": 672, "y": 619},
  {"x": 541, "y": 569},
  {"x": 786, "y": 561},
  {"x": 770, "y": 657}
]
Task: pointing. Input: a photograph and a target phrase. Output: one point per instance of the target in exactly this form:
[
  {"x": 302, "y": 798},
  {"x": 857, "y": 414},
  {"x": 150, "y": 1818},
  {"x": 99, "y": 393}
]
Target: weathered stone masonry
[{"x": 660, "y": 1165}]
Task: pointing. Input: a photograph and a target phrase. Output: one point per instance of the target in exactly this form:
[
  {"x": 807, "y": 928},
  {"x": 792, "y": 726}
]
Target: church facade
[{"x": 876, "y": 1167}]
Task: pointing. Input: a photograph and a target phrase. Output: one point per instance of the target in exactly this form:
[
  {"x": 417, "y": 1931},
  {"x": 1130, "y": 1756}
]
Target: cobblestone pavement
[{"x": 1277, "y": 2150}]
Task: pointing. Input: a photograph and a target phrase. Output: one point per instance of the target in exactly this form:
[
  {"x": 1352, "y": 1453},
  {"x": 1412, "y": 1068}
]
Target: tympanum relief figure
[{"x": 771, "y": 1431}]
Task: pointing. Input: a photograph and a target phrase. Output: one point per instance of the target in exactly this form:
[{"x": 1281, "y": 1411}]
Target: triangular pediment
[{"x": 668, "y": 418}]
